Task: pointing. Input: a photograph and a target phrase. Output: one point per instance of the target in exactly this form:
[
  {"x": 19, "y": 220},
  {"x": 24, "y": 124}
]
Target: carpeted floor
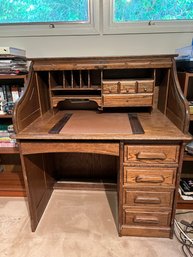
[{"x": 75, "y": 224}]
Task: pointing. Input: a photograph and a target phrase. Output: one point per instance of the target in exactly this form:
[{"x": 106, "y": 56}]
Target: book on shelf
[
  {"x": 1, "y": 94},
  {"x": 186, "y": 186},
  {"x": 2, "y": 107},
  {"x": 10, "y": 143},
  {"x": 13, "y": 66},
  {"x": 11, "y": 51},
  {"x": 191, "y": 107},
  {"x": 7, "y": 136},
  {"x": 1, "y": 168},
  {"x": 185, "y": 197},
  {"x": 9, "y": 94},
  {"x": 14, "y": 93}
]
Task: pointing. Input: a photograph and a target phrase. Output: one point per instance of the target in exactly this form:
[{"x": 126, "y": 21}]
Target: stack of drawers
[
  {"x": 137, "y": 92},
  {"x": 147, "y": 191}
]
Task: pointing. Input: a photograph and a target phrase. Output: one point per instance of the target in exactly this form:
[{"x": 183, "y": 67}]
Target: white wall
[{"x": 99, "y": 45}]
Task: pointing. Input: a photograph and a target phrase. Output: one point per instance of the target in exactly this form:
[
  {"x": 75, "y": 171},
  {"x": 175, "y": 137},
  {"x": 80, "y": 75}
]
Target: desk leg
[{"x": 37, "y": 170}]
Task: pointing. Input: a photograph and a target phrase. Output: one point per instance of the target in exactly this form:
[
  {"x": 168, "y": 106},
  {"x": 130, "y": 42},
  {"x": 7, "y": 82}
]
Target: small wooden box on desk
[
  {"x": 186, "y": 83},
  {"x": 11, "y": 177}
]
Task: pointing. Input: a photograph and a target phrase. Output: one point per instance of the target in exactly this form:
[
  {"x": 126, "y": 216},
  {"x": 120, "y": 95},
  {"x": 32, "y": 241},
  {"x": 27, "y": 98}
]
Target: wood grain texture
[
  {"x": 107, "y": 148},
  {"x": 155, "y": 61},
  {"x": 143, "y": 177},
  {"x": 180, "y": 114},
  {"x": 152, "y": 154},
  {"x": 145, "y": 198},
  {"x": 127, "y": 100},
  {"x": 114, "y": 126}
]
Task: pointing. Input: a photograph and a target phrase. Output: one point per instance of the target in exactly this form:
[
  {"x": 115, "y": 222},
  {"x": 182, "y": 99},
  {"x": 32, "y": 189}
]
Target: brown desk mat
[{"x": 88, "y": 122}]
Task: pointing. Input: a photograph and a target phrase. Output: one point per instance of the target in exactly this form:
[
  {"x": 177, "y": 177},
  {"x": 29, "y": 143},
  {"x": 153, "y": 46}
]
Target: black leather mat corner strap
[
  {"x": 135, "y": 124},
  {"x": 60, "y": 124}
]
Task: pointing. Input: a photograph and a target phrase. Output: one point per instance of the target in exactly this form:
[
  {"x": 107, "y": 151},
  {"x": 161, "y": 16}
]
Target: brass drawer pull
[
  {"x": 147, "y": 200},
  {"x": 149, "y": 179},
  {"x": 151, "y": 156},
  {"x": 146, "y": 220}
]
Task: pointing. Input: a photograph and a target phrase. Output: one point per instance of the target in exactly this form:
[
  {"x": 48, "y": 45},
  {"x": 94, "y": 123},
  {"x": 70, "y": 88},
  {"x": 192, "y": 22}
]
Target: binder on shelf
[
  {"x": 185, "y": 197},
  {"x": 11, "y": 52},
  {"x": 186, "y": 186}
]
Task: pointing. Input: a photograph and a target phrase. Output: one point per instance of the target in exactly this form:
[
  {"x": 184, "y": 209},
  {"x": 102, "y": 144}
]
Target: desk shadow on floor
[{"x": 112, "y": 198}]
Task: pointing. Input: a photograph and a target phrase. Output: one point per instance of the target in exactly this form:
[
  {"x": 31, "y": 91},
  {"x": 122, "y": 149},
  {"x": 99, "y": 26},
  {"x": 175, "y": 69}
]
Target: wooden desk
[{"x": 99, "y": 141}]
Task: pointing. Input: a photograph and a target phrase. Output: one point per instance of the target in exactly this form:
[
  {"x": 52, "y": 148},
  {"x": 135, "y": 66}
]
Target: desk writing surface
[
  {"x": 88, "y": 122},
  {"x": 93, "y": 125}
]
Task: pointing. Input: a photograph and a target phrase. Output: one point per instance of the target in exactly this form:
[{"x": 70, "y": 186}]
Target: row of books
[
  {"x": 13, "y": 66},
  {"x": 13, "y": 61},
  {"x": 7, "y": 136},
  {"x": 9, "y": 94},
  {"x": 186, "y": 188}
]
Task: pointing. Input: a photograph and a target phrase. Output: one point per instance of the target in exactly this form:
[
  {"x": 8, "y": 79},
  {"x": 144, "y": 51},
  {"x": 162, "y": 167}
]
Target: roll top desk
[{"x": 121, "y": 119}]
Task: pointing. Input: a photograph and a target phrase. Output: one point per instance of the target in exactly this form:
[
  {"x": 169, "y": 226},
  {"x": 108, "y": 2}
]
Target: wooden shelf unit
[
  {"x": 11, "y": 178},
  {"x": 186, "y": 83}
]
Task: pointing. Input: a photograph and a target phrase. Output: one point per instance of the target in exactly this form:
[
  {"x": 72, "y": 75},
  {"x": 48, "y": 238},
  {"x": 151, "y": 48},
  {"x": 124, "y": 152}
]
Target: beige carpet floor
[{"x": 75, "y": 224}]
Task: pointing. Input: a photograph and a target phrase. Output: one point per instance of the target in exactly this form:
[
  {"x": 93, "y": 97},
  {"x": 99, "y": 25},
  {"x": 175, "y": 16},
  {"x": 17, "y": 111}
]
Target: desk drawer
[
  {"x": 128, "y": 87},
  {"x": 128, "y": 100},
  {"x": 151, "y": 154},
  {"x": 146, "y": 218},
  {"x": 145, "y": 86},
  {"x": 152, "y": 176},
  {"x": 110, "y": 87},
  {"x": 147, "y": 198}
]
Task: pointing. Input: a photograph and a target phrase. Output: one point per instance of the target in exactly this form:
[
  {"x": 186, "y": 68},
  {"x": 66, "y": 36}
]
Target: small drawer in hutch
[
  {"x": 127, "y": 100},
  {"x": 145, "y": 86},
  {"x": 128, "y": 87},
  {"x": 110, "y": 87}
]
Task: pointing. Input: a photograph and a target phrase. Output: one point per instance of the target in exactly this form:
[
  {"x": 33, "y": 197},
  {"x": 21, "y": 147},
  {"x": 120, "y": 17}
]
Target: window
[
  {"x": 48, "y": 17},
  {"x": 152, "y": 10},
  {"x": 30, "y": 11},
  {"x": 148, "y": 16}
]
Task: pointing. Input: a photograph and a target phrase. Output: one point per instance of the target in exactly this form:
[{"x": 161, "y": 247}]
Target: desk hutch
[{"x": 119, "y": 121}]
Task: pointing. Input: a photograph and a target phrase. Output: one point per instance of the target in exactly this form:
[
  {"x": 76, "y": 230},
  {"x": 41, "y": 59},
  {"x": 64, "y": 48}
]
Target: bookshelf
[
  {"x": 11, "y": 178},
  {"x": 186, "y": 83}
]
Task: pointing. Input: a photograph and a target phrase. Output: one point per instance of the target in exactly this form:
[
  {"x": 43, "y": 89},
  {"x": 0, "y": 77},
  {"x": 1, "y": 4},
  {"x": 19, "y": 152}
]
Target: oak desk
[{"x": 120, "y": 119}]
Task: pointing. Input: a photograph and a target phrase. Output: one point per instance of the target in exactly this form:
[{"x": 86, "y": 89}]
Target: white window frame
[
  {"x": 55, "y": 29},
  {"x": 141, "y": 27}
]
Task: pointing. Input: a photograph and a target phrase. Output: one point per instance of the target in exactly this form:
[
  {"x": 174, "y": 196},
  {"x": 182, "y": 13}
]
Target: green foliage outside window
[
  {"x": 24, "y": 11},
  {"x": 147, "y": 10}
]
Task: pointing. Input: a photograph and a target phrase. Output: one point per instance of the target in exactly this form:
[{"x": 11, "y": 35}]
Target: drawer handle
[
  {"x": 151, "y": 156},
  {"x": 149, "y": 179},
  {"x": 146, "y": 220},
  {"x": 149, "y": 200}
]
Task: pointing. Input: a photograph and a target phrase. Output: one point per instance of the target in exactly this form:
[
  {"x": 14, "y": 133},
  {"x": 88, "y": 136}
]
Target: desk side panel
[
  {"x": 39, "y": 181},
  {"x": 27, "y": 109},
  {"x": 177, "y": 109}
]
